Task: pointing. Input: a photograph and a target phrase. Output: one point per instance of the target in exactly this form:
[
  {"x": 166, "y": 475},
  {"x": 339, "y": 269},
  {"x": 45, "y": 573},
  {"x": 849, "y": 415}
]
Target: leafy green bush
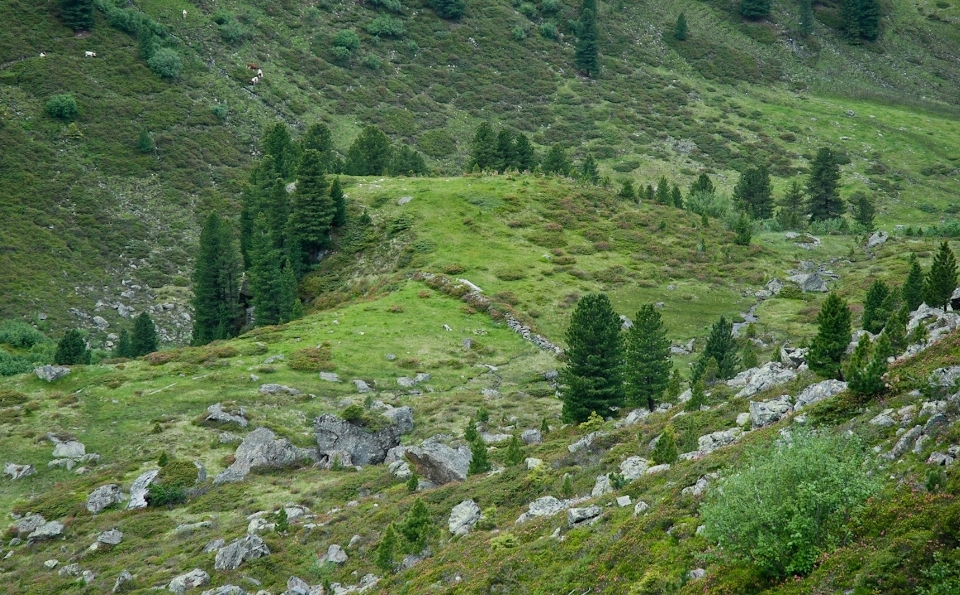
[
  {"x": 232, "y": 31},
  {"x": 346, "y": 38},
  {"x": 944, "y": 574},
  {"x": 391, "y": 5},
  {"x": 166, "y": 63},
  {"x": 62, "y": 106},
  {"x": 165, "y": 495},
  {"x": 386, "y": 26},
  {"x": 711, "y": 204},
  {"x": 791, "y": 502},
  {"x": 20, "y": 334},
  {"x": 548, "y": 30},
  {"x": 519, "y": 33}
]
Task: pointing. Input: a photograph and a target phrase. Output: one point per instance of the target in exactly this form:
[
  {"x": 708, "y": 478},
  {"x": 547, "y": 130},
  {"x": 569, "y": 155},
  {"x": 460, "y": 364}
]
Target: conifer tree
[
  {"x": 470, "y": 433},
  {"x": 647, "y": 358},
  {"x": 265, "y": 279},
  {"x": 648, "y": 193},
  {"x": 514, "y": 453},
  {"x": 806, "y": 17},
  {"x": 122, "y": 348},
  {"x": 556, "y": 161},
  {"x": 370, "y": 153},
  {"x": 675, "y": 385},
  {"x": 833, "y": 335},
  {"x": 144, "y": 338},
  {"x": 592, "y": 377},
  {"x": 505, "y": 150},
  {"x": 417, "y": 527},
  {"x": 479, "y": 463},
  {"x": 525, "y": 158},
  {"x": 587, "y": 52},
  {"x": 663, "y": 192},
  {"x": 912, "y": 290},
  {"x": 286, "y": 155},
  {"x": 589, "y": 171},
  {"x": 702, "y": 185},
  {"x": 754, "y": 192},
  {"x": 339, "y": 204},
  {"x": 867, "y": 366},
  {"x": 744, "y": 230},
  {"x": 627, "y": 192},
  {"x": 941, "y": 281},
  {"x": 77, "y": 14},
  {"x": 256, "y": 198},
  {"x": 680, "y": 29},
  {"x": 216, "y": 283},
  {"x": 449, "y": 9},
  {"x": 319, "y": 138},
  {"x": 698, "y": 396},
  {"x": 676, "y": 197},
  {"x": 824, "y": 203},
  {"x": 665, "y": 450},
  {"x": 71, "y": 350},
  {"x": 875, "y": 306},
  {"x": 863, "y": 210},
  {"x": 868, "y": 19},
  {"x": 484, "y": 151},
  {"x": 290, "y": 307},
  {"x": 722, "y": 348},
  {"x": 312, "y": 211},
  {"x": 145, "y": 143},
  {"x": 896, "y": 329},
  {"x": 387, "y": 549},
  {"x": 755, "y": 9},
  {"x": 792, "y": 207},
  {"x": 748, "y": 355},
  {"x": 405, "y": 161}
]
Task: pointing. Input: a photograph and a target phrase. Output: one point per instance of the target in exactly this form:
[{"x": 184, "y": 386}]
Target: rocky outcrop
[
  {"x": 111, "y": 537},
  {"x": 904, "y": 443},
  {"x": 18, "y": 471},
  {"x": 104, "y": 496},
  {"x": 546, "y": 506},
  {"x": 215, "y": 413},
  {"x": 463, "y": 517},
  {"x": 231, "y": 556},
  {"x": 579, "y": 516},
  {"x": 334, "y": 555},
  {"x": 438, "y": 462},
  {"x": 531, "y": 436},
  {"x": 51, "y": 373},
  {"x": 122, "y": 580},
  {"x": 66, "y": 449},
  {"x": 793, "y": 357},
  {"x": 945, "y": 377},
  {"x": 715, "y": 440},
  {"x": 633, "y": 467},
  {"x": 191, "y": 580},
  {"x": 602, "y": 486},
  {"x": 336, "y": 436},
  {"x": 877, "y": 239},
  {"x": 634, "y": 417},
  {"x": 810, "y": 282},
  {"x": 764, "y": 413},
  {"x": 755, "y": 380},
  {"x": 272, "y": 389},
  {"x": 47, "y": 530},
  {"x": 140, "y": 488},
  {"x": 401, "y": 416},
  {"x": 261, "y": 449},
  {"x": 585, "y": 442},
  {"x": 818, "y": 392}
]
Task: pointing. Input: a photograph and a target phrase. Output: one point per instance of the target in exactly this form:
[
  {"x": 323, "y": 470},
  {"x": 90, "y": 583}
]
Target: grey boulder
[
  {"x": 191, "y": 580},
  {"x": 715, "y": 440},
  {"x": 578, "y": 516},
  {"x": 228, "y": 590},
  {"x": 215, "y": 413},
  {"x": 402, "y": 416},
  {"x": 463, "y": 517},
  {"x": 531, "y": 436},
  {"x": 111, "y": 537},
  {"x": 335, "y": 554},
  {"x": 336, "y": 435},
  {"x": 18, "y": 471},
  {"x": 124, "y": 578},
  {"x": 272, "y": 389},
  {"x": 103, "y": 497},
  {"x": 237, "y": 552},
  {"x": 438, "y": 462},
  {"x": 47, "y": 530},
  {"x": 764, "y": 413},
  {"x": 51, "y": 373},
  {"x": 140, "y": 488},
  {"x": 633, "y": 467},
  {"x": 755, "y": 380},
  {"x": 818, "y": 392},
  {"x": 261, "y": 449}
]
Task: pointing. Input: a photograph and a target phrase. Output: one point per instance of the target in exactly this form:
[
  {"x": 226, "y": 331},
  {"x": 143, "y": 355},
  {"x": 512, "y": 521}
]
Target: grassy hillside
[{"x": 86, "y": 210}]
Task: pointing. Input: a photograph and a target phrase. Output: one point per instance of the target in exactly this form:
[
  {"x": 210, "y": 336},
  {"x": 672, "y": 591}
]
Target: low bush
[
  {"x": 63, "y": 106},
  {"x": 166, "y": 63}
]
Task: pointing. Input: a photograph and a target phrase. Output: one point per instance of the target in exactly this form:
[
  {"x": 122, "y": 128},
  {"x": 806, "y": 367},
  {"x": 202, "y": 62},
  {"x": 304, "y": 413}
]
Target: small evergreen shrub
[
  {"x": 63, "y": 106},
  {"x": 166, "y": 63},
  {"x": 386, "y": 26}
]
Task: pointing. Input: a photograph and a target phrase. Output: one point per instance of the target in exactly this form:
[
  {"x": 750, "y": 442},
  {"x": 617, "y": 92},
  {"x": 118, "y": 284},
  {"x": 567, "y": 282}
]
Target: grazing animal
[
  {"x": 259, "y": 73},
  {"x": 252, "y": 66},
  {"x": 255, "y": 80},
  {"x": 43, "y": 55},
  {"x": 184, "y": 13},
  {"x": 89, "y": 54}
]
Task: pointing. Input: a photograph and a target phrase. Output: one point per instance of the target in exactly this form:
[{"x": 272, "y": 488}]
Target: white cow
[
  {"x": 90, "y": 54},
  {"x": 184, "y": 13},
  {"x": 255, "y": 80},
  {"x": 259, "y": 73},
  {"x": 43, "y": 54}
]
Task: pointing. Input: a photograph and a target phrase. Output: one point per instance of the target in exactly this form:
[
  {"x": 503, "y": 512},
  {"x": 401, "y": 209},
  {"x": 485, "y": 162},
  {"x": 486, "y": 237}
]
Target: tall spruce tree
[
  {"x": 506, "y": 158},
  {"x": 912, "y": 290},
  {"x": 255, "y": 199},
  {"x": 896, "y": 328},
  {"x": 405, "y": 161},
  {"x": 680, "y": 29},
  {"x": 370, "y": 153},
  {"x": 867, "y": 366},
  {"x": 833, "y": 335},
  {"x": 483, "y": 154},
  {"x": 626, "y": 191},
  {"x": 122, "y": 347},
  {"x": 721, "y": 347},
  {"x": 387, "y": 550},
  {"x": 479, "y": 463},
  {"x": 77, "y": 14},
  {"x": 525, "y": 158},
  {"x": 286, "y": 155},
  {"x": 592, "y": 378},
  {"x": 790, "y": 215},
  {"x": 588, "y": 170},
  {"x": 824, "y": 202},
  {"x": 941, "y": 281},
  {"x": 806, "y": 17},
  {"x": 647, "y": 359},
  {"x": 319, "y": 138},
  {"x": 216, "y": 283},
  {"x": 875, "y": 307},
  {"x": 71, "y": 350},
  {"x": 676, "y": 197},
  {"x": 863, "y": 210},
  {"x": 702, "y": 185},
  {"x": 339, "y": 204},
  {"x": 587, "y": 52},
  {"x": 264, "y": 273},
  {"x": 861, "y": 19},
  {"x": 754, "y": 9},
  {"x": 144, "y": 338},
  {"x": 417, "y": 527},
  {"x": 663, "y": 192},
  {"x": 556, "y": 161},
  {"x": 312, "y": 211},
  {"x": 754, "y": 192}
]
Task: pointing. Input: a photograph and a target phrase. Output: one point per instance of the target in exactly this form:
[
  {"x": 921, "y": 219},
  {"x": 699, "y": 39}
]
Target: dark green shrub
[
  {"x": 20, "y": 334},
  {"x": 166, "y": 63},
  {"x": 62, "y": 106},
  {"x": 386, "y": 26},
  {"x": 346, "y": 38}
]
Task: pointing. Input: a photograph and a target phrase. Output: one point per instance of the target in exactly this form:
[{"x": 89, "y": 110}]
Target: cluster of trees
[
  {"x": 410, "y": 536},
  {"x": 142, "y": 341},
  {"x": 503, "y": 151},
  {"x": 77, "y": 14},
  {"x": 861, "y": 18}
]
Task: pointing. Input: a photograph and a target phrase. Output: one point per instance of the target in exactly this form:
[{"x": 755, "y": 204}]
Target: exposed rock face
[
  {"x": 47, "y": 530},
  {"x": 771, "y": 289},
  {"x": 215, "y": 413},
  {"x": 635, "y": 416},
  {"x": 640, "y": 507},
  {"x": 230, "y": 590},
  {"x": 489, "y": 438},
  {"x": 767, "y": 412},
  {"x": 139, "y": 489},
  {"x": 633, "y": 467},
  {"x": 329, "y": 377},
  {"x": 362, "y": 387},
  {"x": 67, "y": 449},
  {"x": 531, "y": 436},
  {"x": 335, "y": 554},
  {"x": 103, "y": 497},
  {"x": 945, "y": 376},
  {"x": 698, "y": 488},
  {"x": 438, "y": 462},
  {"x": 546, "y": 506},
  {"x": 657, "y": 469},
  {"x": 532, "y": 462},
  {"x": 713, "y": 441},
  {"x": 793, "y": 357},
  {"x": 272, "y": 389},
  {"x": 578, "y": 516},
  {"x": 904, "y": 443},
  {"x": 810, "y": 282},
  {"x": 585, "y": 442},
  {"x": 124, "y": 578},
  {"x": 602, "y": 486},
  {"x": 29, "y": 524},
  {"x": 51, "y": 373},
  {"x": 878, "y": 238},
  {"x": 262, "y": 450},
  {"x": 818, "y": 392},
  {"x": 191, "y": 580},
  {"x": 402, "y": 416},
  {"x": 111, "y": 537},
  {"x": 884, "y": 420},
  {"x": 246, "y": 548},
  {"x": 18, "y": 471},
  {"x": 756, "y": 380},
  {"x": 463, "y": 517},
  {"x": 335, "y": 435}
]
